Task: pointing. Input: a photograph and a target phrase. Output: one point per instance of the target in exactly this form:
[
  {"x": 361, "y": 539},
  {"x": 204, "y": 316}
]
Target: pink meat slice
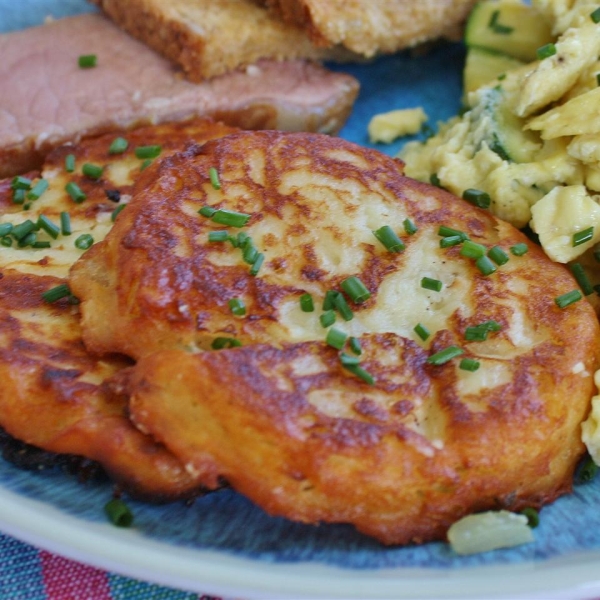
[{"x": 47, "y": 99}]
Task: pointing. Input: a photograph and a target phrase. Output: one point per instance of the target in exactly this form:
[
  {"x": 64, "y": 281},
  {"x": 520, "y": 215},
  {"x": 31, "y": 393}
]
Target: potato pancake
[
  {"x": 54, "y": 394},
  {"x": 445, "y": 366}
]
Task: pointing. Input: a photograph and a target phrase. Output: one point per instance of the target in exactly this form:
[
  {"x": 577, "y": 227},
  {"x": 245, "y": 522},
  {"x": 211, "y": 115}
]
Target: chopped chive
[
  {"x": 595, "y": 16},
  {"x": 469, "y": 364},
  {"x": 23, "y": 229},
  {"x": 389, "y": 239},
  {"x": 237, "y": 307},
  {"x": 409, "y": 227},
  {"x": 586, "y": 470},
  {"x": 445, "y": 355},
  {"x": 115, "y": 213},
  {"x": 225, "y": 342},
  {"x": 472, "y": 250},
  {"x": 306, "y": 303},
  {"x": 37, "y": 190},
  {"x": 533, "y": 517},
  {"x": 56, "y": 293},
  {"x": 18, "y": 196},
  {"x": 148, "y": 151},
  {"x": 477, "y": 197},
  {"x": 451, "y": 240},
  {"x": 329, "y": 300},
  {"x": 92, "y": 171},
  {"x": 360, "y": 373},
  {"x": 356, "y": 289},
  {"x": 348, "y": 360},
  {"x": 582, "y": 279},
  {"x": 485, "y": 265},
  {"x": 255, "y": 268},
  {"x": 583, "y": 236},
  {"x": 498, "y": 255},
  {"x": 70, "y": 163},
  {"x": 6, "y": 241},
  {"x": 519, "y": 249},
  {"x": 431, "y": 284},
  {"x": 87, "y": 61},
  {"x": 118, "y": 146},
  {"x": 84, "y": 241},
  {"x": 242, "y": 239},
  {"x": 444, "y": 231},
  {"x": 479, "y": 333},
  {"x": 355, "y": 346},
  {"x": 545, "y": 51},
  {"x": 230, "y": 218},
  {"x": 569, "y": 298},
  {"x": 336, "y": 338},
  {"x": 28, "y": 240},
  {"x": 435, "y": 180},
  {"x": 118, "y": 513},
  {"x": 422, "y": 331},
  {"x": 207, "y": 211},
  {"x": 250, "y": 253},
  {"x": 218, "y": 236},
  {"x": 214, "y": 178},
  {"x": 75, "y": 192},
  {"x": 48, "y": 226},
  {"x": 342, "y": 307},
  {"x": 41, "y": 244},
  {"x": 497, "y": 27},
  {"x": 327, "y": 318},
  {"x": 5, "y": 229},
  {"x": 20, "y": 183},
  {"x": 65, "y": 223},
  {"x": 145, "y": 164}
]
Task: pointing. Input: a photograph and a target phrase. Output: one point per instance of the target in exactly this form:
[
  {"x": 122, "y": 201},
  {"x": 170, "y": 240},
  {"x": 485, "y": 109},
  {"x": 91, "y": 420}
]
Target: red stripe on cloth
[{"x": 68, "y": 580}]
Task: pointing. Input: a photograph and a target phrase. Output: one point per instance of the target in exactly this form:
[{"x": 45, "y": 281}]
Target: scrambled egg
[
  {"x": 386, "y": 127},
  {"x": 531, "y": 138}
]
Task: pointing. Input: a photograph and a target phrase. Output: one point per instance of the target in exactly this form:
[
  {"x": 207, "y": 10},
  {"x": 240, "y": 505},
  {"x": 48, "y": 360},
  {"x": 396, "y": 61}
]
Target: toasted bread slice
[
  {"x": 208, "y": 38},
  {"x": 370, "y": 27}
]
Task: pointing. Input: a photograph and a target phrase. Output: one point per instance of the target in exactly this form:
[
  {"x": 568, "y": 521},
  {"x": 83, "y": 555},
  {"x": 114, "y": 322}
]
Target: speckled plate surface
[{"x": 222, "y": 544}]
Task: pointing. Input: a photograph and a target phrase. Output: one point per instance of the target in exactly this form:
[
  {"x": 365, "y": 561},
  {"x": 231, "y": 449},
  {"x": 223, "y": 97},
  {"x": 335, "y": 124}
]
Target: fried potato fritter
[
  {"x": 400, "y": 445},
  {"x": 54, "y": 394}
]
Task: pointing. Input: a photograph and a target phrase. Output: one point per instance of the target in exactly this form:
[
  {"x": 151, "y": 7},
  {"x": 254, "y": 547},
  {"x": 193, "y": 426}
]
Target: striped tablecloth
[{"x": 27, "y": 573}]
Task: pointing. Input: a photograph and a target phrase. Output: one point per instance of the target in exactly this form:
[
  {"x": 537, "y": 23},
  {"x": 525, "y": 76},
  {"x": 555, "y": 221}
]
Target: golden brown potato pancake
[
  {"x": 54, "y": 394},
  {"x": 401, "y": 457}
]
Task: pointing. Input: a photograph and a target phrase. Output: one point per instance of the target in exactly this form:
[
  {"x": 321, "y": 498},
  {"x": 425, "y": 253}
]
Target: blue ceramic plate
[{"x": 225, "y": 545}]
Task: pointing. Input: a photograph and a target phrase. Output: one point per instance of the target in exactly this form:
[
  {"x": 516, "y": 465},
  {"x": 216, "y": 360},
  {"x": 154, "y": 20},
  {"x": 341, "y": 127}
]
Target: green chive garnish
[
  {"x": 355, "y": 346},
  {"x": 595, "y": 16},
  {"x": 472, "y": 250},
  {"x": 329, "y": 300},
  {"x": 356, "y": 289},
  {"x": 348, "y": 360},
  {"x": 583, "y": 236},
  {"x": 409, "y": 227},
  {"x": 48, "y": 226},
  {"x": 498, "y": 255},
  {"x": 5, "y": 229},
  {"x": 118, "y": 146},
  {"x": 569, "y": 298},
  {"x": 545, "y": 51},
  {"x": 75, "y": 192},
  {"x": 327, "y": 318},
  {"x": 445, "y": 355},
  {"x": 6, "y": 241},
  {"x": 20, "y": 183},
  {"x": 435, "y": 180},
  {"x": 230, "y": 218},
  {"x": 29, "y": 240},
  {"x": 389, "y": 239},
  {"x": 422, "y": 331},
  {"x": 214, "y": 178},
  {"x": 451, "y": 240},
  {"x": 37, "y": 190},
  {"x": 586, "y": 470},
  {"x": 145, "y": 164},
  {"x": 65, "y": 223},
  {"x": 250, "y": 252},
  {"x": 207, "y": 211},
  {"x": 237, "y": 307},
  {"x": 469, "y": 364},
  {"x": 84, "y": 241},
  {"x": 225, "y": 342},
  {"x": 533, "y": 517},
  {"x": 336, "y": 338},
  {"x": 444, "y": 231},
  {"x": 92, "y": 171},
  {"x": 87, "y": 61},
  {"x": 582, "y": 279},
  {"x": 115, "y": 213},
  {"x": 477, "y": 197},
  {"x": 485, "y": 265},
  {"x": 41, "y": 244},
  {"x": 431, "y": 284},
  {"x": 56, "y": 293},
  {"x": 23, "y": 229},
  {"x": 70, "y": 163},
  {"x": 148, "y": 151},
  {"x": 342, "y": 307},
  {"x": 118, "y": 513},
  {"x": 18, "y": 196},
  {"x": 306, "y": 303},
  {"x": 360, "y": 373},
  {"x": 519, "y": 249},
  {"x": 255, "y": 268},
  {"x": 218, "y": 236}
]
